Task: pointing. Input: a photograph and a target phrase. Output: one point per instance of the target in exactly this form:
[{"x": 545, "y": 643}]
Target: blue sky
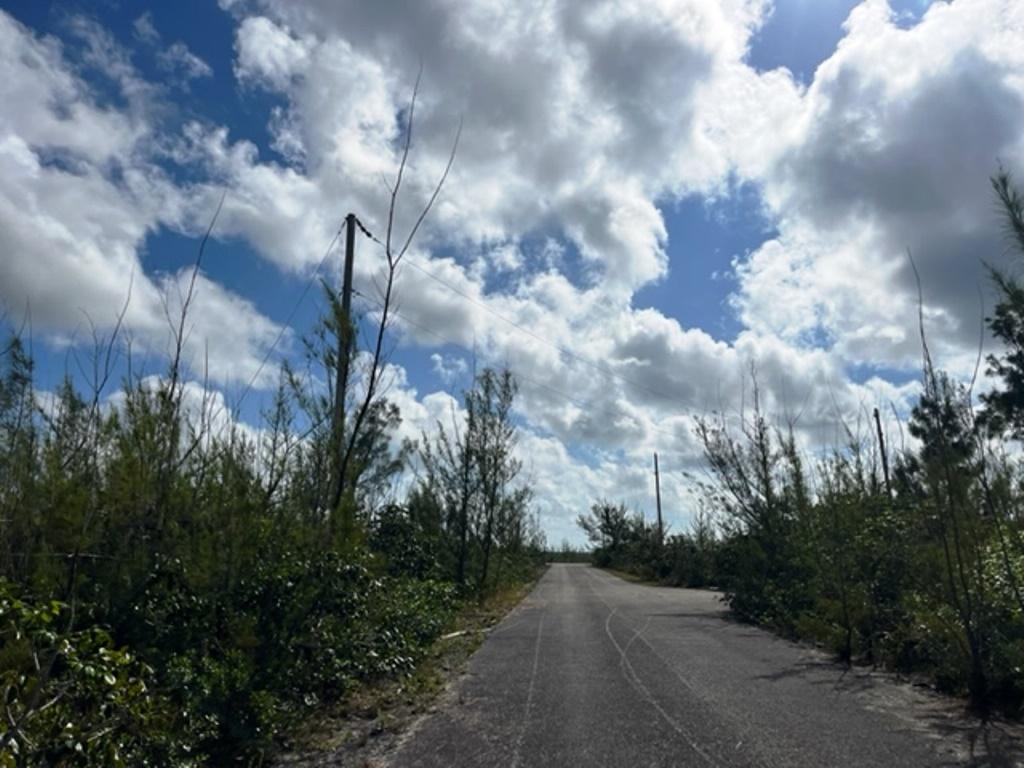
[
  {"x": 673, "y": 194},
  {"x": 800, "y": 34}
]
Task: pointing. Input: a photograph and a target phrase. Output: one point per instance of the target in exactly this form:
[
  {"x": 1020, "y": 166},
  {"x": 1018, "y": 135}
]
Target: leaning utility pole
[
  {"x": 344, "y": 357},
  {"x": 657, "y": 494}
]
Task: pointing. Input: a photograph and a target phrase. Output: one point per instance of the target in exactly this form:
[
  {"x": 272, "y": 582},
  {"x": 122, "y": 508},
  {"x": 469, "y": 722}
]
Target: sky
[{"x": 650, "y": 200}]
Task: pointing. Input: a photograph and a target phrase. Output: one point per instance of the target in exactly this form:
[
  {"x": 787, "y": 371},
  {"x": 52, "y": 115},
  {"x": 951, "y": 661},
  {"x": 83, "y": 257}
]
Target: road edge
[{"x": 372, "y": 723}]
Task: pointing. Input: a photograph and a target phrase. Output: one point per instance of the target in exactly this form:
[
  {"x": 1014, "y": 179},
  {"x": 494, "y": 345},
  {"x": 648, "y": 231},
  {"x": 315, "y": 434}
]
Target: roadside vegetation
[
  {"x": 367, "y": 726},
  {"x": 179, "y": 588},
  {"x": 912, "y": 558},
  {"x": 173, "y": 592}
]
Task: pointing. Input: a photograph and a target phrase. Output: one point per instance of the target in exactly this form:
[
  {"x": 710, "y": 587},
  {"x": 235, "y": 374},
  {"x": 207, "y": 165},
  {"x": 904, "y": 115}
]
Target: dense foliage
[
  {"x": 913, "y": 559},
  {"x": 178, "y": 589}
]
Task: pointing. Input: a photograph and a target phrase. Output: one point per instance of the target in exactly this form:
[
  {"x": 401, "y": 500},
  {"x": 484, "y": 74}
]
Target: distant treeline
[
  {"x": 567, "y": 553},
  {"x": 913, "y": 559},
  {"x": 179, "y": 589}
]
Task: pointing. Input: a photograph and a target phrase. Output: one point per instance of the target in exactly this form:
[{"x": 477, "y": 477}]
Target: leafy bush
[
  {"x": 302, "y": 630},
  {"x": 73, "y": 698}
]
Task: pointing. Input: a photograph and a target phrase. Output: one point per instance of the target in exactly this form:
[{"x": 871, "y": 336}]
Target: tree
[
  {"x": 1004, "y": 407},
  {"x": 373, "y": 462},
  {"x": 493, "y": 441},
  {"x": 345, "y": 439},
  {"x": 18, "y": 443},
  {"x": 471, "y": 471},
  {"x": 608, "y": 527},
  {"x": 451, "y": 484}
]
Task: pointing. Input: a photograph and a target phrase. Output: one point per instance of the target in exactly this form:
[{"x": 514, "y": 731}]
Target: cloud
[
  {"x": 226, "y": 336},
  {"x": 897, "y": 136},
  {"x": 594, "y": 122},
  {"x": 550, "y": 148},
  {"x": 178, "y": 60},
  {"x": 546, "y": 465},
  {"x": 449, "y": 368},
  {"x": 145, "y": 30},
  {"x": 268, "y": 54},
  {"x": 102, "y": 53},
  {"x": 80, "y": 192}
]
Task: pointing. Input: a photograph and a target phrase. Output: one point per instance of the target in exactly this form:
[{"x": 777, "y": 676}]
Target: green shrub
[
  {"x": 220, "y": 587},
  {"x": 74, "y": 699},
  {"x": 302, "y": 630}
]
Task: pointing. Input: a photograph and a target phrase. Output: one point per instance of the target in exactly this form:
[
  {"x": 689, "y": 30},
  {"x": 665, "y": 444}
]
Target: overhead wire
[
  {"x": 291, "y": 315},
  {"x": 413, "y": 262},
  {"x": 519, "y": 375},
  {"x": 583, "y": 406}
]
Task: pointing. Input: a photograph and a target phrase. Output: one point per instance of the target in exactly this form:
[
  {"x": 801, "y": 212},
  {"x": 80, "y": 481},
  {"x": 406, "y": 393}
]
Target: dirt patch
[{"x": 960, "y": 736}]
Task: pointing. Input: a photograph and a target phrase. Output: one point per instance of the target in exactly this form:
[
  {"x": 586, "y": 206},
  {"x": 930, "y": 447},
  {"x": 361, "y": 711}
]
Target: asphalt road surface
[{"x": 591, "y": 670}]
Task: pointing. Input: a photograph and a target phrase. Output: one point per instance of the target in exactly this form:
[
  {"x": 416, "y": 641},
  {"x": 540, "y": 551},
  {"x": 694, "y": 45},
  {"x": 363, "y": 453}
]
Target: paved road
[{"x": 591, "y": 670}]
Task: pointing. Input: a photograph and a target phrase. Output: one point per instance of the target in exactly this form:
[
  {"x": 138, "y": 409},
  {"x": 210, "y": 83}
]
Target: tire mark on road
[
  {"x": 742, "y": 727},
  {"x": 634, "y": 680},
  {"x": 636, "y": 635}
]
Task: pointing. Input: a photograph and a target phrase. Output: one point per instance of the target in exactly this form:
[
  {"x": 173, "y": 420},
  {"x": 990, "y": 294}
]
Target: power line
[
  {"x": 576, "y": 356},
  {"x": 564, "y": 350},
  {"x": 519, "y": 375},
  {"x": 291, "y": 315}
]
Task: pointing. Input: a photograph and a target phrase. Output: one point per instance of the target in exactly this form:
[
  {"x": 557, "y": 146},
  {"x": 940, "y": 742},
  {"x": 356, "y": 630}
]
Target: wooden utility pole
[
  {"x": 881, "y": 449},
  {"x": 657, "y": 495},
  {"x": 344, "y": 357},
  {"x": 350, "y": 255}
]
